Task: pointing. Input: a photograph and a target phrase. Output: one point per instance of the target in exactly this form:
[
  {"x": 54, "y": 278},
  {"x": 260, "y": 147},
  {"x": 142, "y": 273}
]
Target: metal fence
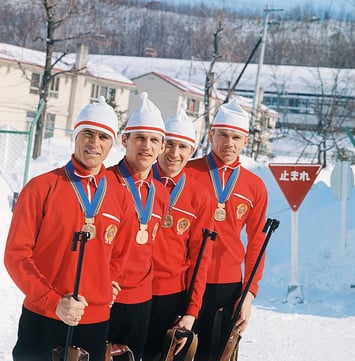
[{"x": 15, "y": 154}]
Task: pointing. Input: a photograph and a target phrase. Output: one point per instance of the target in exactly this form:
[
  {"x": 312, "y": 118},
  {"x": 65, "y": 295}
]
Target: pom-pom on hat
[
  {"x": 99, "y": 116},
  {"x": 232, "y": 116},
  {"x": 180, "y": 127},
  {"x": 146, "y": 119}
]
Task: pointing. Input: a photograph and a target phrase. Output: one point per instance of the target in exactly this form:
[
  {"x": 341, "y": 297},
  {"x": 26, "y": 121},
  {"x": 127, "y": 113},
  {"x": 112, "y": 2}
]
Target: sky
[
  {"x": 331, "y": 5},
  {"x": 320, "y": 328}
]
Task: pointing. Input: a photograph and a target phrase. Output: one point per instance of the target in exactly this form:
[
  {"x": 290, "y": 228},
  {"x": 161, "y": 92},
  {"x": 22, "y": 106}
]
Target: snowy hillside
[{"x": 322, "y": 328}]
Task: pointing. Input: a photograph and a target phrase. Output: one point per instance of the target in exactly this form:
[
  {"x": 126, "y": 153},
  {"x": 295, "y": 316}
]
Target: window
[
  {"x": 29, "y": 119},
  {"x": 49, "y": 128},
  {"x": 54, "y": 87},
  {"x": 107, "y": 92},
  {"x": 111, "y": 95},
  {"x": 193, "y": 106},
  {"x": 95, "y": 91},
  {"x": 36, "y": 82}
]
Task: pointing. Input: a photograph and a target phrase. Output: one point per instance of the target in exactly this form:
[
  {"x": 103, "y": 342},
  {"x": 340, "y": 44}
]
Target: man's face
[
  {"x": 142, "y": 149},
  {"x": 227, "y": 144},
  {"x": 92, "y": 148},
  {"x": 174, "y": 157}
]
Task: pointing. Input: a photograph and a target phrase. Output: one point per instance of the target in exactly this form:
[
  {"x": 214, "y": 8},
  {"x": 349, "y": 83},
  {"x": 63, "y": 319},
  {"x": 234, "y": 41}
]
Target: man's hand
[
  {"x": 245, "y": 312},
  {"x": 115, "y": 289},
  {"x": 186, "y": 322},
  {"x": 70, "y": 310}
]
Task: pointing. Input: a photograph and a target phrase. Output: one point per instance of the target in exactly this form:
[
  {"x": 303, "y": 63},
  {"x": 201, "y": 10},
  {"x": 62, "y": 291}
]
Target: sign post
[
  {"x": 294, "y": 180},
  {"x": 342, "y": 184}
]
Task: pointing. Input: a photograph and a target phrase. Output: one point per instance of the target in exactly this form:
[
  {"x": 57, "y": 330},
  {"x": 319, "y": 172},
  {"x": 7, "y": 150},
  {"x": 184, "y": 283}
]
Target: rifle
[
  {"x": 116, "y": 352},
  {"x": 230, "y": 343},
  {"x": 175, "y": 333},
  {"x": 73, "y": 353}
]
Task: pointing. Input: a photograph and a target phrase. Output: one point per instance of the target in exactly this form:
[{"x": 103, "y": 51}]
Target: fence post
[
  {"x": 30, "y": 139},
  {"x": 350, "y": 135}
]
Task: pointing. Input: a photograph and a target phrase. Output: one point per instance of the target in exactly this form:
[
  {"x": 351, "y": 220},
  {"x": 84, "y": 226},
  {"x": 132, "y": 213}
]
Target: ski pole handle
[{"x": 81, "y": 237}]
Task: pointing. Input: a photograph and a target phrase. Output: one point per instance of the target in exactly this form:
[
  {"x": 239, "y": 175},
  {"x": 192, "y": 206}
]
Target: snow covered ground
[{"x": 321, "y": 328}]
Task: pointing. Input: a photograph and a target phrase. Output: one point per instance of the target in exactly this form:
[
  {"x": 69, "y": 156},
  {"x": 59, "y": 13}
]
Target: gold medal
[
  {"x": 142, "y": 234},
  {"x": 168, "y": 221},
  {"x": 89, "y": 227},
  {"x": 220, "y": 213}
]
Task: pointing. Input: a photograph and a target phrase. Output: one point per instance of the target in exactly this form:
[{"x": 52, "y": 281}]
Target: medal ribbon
[
  {"x": 90, "y": 209},
  {"x": 156, "y": 173},
  {"x": 178, "y": 188},
  {"x": 176, "y": 192},
  {"x": 144, "y": 214},
  {"x": 221, "y": 194}
]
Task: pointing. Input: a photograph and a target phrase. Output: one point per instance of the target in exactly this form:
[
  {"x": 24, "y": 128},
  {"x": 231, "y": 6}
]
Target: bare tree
[
  {"x": 209, "y": 81},
  {"x": 57, "y": 13},
  {"x": 333, "y": 108}
]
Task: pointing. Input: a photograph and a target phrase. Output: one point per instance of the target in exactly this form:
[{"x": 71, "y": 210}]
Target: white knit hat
[
  {"x": 180, "y": 127},
  {"x": 232, "y": 116},
  {"x": 99, "y": 116},
  {"x": 146, "y": 119}
]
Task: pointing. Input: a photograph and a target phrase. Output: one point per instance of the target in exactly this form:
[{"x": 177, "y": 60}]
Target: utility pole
[{"x": 254, "y": 112}]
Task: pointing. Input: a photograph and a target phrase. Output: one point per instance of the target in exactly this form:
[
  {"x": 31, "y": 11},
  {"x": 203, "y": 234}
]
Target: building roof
[
  {"x": 67, "y": 63},
  {"x": 183, "y": 85},
  {"x": 273, "y": 78},
  {"x": 198, "y": 90}
]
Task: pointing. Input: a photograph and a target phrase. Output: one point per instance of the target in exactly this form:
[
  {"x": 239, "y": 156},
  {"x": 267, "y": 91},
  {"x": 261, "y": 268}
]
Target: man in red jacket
[
  {"x": 177, "y": 246},
  {"x": 143, "y": 139},
  {"x": 240, "y": 199},
  {"x": 38, "y": 254}
]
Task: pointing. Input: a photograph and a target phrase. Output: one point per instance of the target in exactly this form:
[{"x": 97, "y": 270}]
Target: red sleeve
[
  {"x": 21, "y": 238},
  {"x": 256, "y": 237}
]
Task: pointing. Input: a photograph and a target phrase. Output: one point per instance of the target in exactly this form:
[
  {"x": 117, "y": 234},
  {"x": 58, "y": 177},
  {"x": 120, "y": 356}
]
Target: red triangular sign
[{"x": 295, "y": 180}]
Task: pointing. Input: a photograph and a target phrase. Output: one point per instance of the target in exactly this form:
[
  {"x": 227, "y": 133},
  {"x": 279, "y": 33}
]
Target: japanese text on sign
[{"x": 294, "y": 176}]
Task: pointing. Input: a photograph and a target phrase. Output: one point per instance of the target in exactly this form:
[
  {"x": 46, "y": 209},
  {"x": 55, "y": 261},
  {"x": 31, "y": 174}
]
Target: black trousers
[
  {"x": 39, "y": 335},
  {"x": 129, "y": 326},
  {"x": 164, "y": 313},
  {"x": 216, "y": 296}
]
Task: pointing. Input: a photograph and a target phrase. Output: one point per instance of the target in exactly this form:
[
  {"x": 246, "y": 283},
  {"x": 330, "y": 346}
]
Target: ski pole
[
  {"x": 232, "y": 337},
  {"x": 205, "y": 235},
  {"x": 81, "y": 237},
  {"x": 172, "y": 333}
]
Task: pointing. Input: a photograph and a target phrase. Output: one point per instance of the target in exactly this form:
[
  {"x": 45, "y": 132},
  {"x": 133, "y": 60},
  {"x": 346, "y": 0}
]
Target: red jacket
[
  {"x": 246, "y": 207},
  {"x": 38, "y": 253},
  {"x": 136, "y": 282},
  {"x": 177, "y": 247}
]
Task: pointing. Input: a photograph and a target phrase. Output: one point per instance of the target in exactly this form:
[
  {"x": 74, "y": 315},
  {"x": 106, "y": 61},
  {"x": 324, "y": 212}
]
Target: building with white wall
[{"x": 78, "y": 82}]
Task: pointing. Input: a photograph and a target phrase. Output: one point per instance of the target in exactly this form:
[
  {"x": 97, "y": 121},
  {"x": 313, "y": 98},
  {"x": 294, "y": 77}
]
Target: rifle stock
[
  {"x": 231, "y": 345},
  {"x": 232, "y": 337}
]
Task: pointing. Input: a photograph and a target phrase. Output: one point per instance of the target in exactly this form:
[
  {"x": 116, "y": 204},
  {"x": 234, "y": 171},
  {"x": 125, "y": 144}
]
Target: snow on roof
[
  {"x": 23, "y": 55},
  {"x": 34, "y": 57},
  {"x": 273, "y": 78}
]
